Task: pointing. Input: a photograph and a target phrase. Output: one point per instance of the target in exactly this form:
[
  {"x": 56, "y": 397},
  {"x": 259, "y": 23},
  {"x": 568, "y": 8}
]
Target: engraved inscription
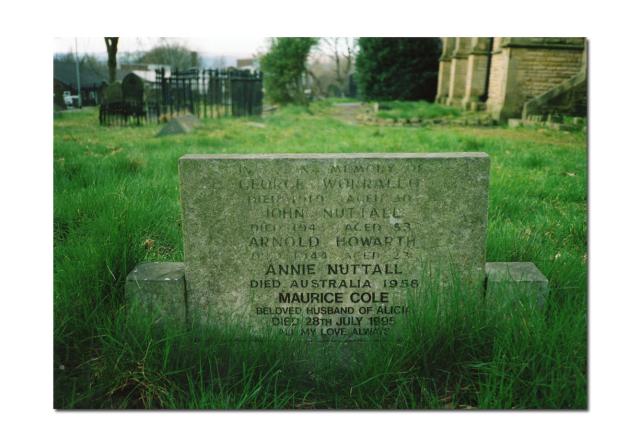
[{"x": 327, "y": 247}]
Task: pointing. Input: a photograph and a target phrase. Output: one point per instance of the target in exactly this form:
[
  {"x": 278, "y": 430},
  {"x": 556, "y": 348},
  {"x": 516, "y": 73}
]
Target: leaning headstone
[
  {"x": 179, "y": 125},
  {"x": 328, "y": 245},
  {"x": 188, "y": 120}
]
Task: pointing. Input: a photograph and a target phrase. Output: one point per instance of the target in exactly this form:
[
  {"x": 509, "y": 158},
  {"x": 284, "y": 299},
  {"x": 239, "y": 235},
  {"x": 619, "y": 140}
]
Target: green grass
[
  {"x": 117, "y": 188},
  {"x": 402, "y": 110}
]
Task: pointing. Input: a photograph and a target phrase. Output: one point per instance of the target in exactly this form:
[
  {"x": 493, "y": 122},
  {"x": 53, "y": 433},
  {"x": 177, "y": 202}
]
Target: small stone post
[
  {"x": 520, "y": 280},
  {"x": 160, "y": 289}
]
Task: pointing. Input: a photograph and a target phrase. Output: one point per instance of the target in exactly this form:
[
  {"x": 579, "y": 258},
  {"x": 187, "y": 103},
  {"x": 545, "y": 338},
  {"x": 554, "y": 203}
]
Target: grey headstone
[
  {"x": 328, "y": 238},
  {"x": 521, "y": 280},
  {"x": 132, "y": 89},
  {"x": 188, "y": 120},
  {"x": 158, "y": 287}
]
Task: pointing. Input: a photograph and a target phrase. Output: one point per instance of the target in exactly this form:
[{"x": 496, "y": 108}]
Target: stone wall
[
  {"x": 444, "y": 71},
  {"x": 538, "y": 70},
  {"x": 519, "y": 69},
  {"x": 458, "y": 74},
  {"x": 497, "y": 77},
  {"x": 476, "y": 80},
  {"x": 568, "y": 99},
  {"x": 534, "y": 66}
]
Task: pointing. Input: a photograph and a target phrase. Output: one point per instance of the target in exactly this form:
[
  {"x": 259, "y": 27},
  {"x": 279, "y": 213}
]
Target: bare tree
[
  {"x": 112, "y": 50},
  {"x": 171, "y": 52},
  {"x": 342, "y": 52}
]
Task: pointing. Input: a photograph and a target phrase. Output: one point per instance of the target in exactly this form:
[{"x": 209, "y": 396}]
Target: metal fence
[{"x": 203, "y": 93}]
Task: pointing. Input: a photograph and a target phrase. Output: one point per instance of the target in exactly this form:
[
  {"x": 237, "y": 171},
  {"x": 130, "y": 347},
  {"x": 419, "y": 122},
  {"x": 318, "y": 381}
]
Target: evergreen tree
[
  {"x": 398, "y": 68},
  {"x": 284, "y": 68}
]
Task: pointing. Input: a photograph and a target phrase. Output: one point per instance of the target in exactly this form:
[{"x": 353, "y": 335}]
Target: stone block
[
  {"x": 159, "y": 288},
  {"x": 519, "y": 280}
]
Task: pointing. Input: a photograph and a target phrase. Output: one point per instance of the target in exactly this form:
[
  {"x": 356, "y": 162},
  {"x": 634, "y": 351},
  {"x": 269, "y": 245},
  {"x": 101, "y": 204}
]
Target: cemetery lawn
[{"x": 116, "y": 203}]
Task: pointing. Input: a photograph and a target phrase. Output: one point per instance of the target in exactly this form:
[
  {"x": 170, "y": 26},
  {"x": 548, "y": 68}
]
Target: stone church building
[{"x": 514, "y": 77}]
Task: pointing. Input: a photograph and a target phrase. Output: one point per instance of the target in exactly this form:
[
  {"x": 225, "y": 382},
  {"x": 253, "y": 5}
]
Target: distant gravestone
[
  {"x": 179, "y": 125},
  {"x": 328, "y": 245},
  {"x": 132, "y": 89}
]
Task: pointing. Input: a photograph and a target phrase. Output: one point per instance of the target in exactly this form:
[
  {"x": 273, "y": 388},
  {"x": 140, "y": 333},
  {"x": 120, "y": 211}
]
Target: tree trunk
[{"x": 112, "y": 50}]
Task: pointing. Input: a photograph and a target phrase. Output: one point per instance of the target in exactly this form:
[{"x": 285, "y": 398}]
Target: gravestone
[
  {"x": 133, "y": 97},
  {"x": 133, "y": 89},
  {"x": 328, "y": 245}
]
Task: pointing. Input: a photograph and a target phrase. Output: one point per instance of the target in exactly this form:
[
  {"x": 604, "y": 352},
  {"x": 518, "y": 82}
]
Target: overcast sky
[{"x": 240, "y": 45}]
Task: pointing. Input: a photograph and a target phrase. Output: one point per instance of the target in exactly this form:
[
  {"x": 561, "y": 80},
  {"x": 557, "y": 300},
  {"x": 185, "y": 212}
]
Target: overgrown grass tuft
[{"x": 116, "y": 203}]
